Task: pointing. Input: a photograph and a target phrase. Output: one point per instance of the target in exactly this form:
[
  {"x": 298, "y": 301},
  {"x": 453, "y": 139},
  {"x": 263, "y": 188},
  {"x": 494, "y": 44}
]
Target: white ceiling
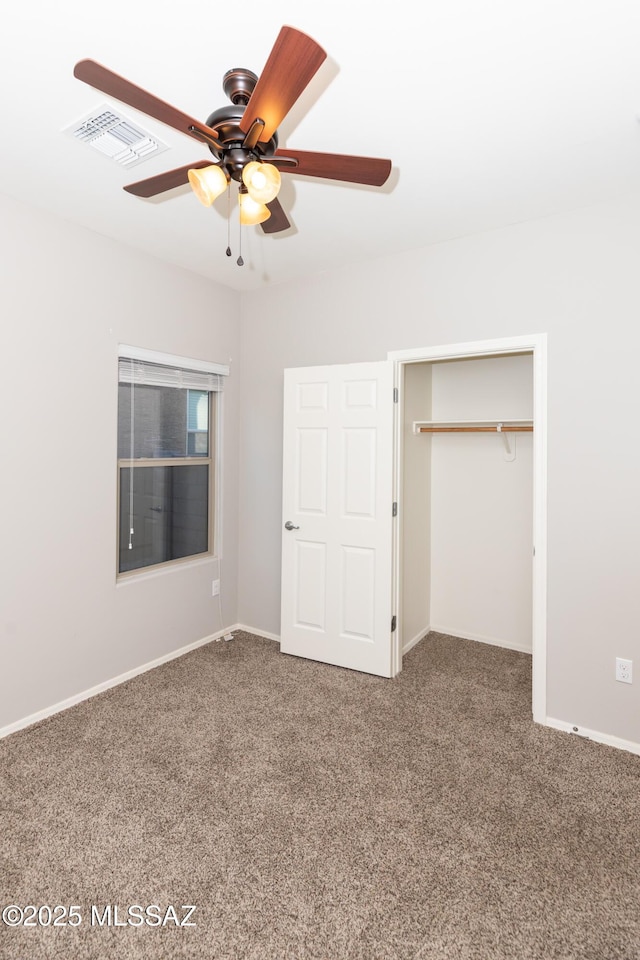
[{"x": 492, "y": 112}]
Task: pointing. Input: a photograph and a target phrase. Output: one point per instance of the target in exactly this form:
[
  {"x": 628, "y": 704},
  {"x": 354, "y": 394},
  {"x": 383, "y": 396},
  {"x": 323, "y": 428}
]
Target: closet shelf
[{"x": 472, "y": 426}]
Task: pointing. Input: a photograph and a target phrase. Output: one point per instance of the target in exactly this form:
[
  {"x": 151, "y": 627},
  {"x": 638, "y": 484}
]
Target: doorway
[{"x": 432, "y": 398}]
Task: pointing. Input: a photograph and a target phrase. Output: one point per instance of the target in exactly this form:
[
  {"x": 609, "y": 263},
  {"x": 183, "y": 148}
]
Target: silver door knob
[{"x": 290, "y": 526}]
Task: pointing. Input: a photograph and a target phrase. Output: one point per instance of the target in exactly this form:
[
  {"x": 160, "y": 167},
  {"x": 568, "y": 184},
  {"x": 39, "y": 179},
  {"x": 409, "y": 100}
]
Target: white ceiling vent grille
[{"x": 116, "y": 137}]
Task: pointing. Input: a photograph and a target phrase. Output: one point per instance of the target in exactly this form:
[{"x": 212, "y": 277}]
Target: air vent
[{"x": 116, "y": 137}]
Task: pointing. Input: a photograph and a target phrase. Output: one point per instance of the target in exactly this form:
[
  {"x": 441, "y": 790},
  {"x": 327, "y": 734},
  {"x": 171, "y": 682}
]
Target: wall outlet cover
[{"x": 624, "y": 670}]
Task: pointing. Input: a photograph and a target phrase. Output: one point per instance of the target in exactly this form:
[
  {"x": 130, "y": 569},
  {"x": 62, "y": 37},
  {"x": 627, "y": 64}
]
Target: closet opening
[{"x": 470, "y": 548}]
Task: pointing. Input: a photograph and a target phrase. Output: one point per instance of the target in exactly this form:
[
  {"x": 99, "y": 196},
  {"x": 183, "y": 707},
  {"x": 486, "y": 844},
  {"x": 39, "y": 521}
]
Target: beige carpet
[{"x": 312, "y": 812}]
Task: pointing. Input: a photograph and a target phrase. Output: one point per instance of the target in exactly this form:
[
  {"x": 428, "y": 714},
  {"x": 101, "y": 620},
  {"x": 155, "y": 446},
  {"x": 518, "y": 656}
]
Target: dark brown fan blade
[
  {"x": 120, "y": 89},
  {"x": 293, "y": 61},
  {"x": 152, "y": 186},
  {"x": 278, "y": 219},
  {"x": 335, "y": 166}
]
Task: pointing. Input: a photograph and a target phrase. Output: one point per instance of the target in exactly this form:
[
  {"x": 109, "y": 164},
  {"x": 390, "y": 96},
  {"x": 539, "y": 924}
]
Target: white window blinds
[{"x": 142, "y": 372}]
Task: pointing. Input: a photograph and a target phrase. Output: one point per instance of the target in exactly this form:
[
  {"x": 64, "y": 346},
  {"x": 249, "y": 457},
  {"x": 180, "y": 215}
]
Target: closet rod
[{"x": 501, "y": 429}]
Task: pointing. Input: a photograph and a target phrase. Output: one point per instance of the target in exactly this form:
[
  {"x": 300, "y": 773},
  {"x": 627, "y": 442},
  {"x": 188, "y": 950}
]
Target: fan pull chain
[
  {"x": 229, "y": 219},
  {"x": 240, "y": 261}
]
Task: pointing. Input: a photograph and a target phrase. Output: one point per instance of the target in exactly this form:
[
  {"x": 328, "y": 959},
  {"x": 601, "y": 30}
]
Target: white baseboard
[
  {"x": 411, "y": 643},
  {"x": 492, "y": 641},
  {"x": 108, "y": 684},
  {"x": 259, "y": 633},
  {"x": 594, "y": 735}
]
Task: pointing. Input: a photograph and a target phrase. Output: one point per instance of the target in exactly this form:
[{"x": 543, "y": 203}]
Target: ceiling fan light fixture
[
  {"x": 262, "y": 181},
  {"x": 208, "y": 183},
  {"x": 252, "y": 212}
]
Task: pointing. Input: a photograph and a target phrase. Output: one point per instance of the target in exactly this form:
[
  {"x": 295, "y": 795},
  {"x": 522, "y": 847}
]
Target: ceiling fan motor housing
[{"x": 238, "y": 84}]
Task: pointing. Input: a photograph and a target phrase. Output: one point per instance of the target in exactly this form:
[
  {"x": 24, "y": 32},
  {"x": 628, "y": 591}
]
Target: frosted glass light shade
[
  {"x": 252, "y": 212},
  {"x": 208, "y": 183},
  {"x": 262, "y": 181}
]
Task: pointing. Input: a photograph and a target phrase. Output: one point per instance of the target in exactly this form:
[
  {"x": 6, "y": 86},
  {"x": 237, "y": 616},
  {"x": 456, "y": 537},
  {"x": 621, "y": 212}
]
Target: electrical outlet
[
  {"x": 215, "y": 588},
  {"x": 624, "y": 670}
]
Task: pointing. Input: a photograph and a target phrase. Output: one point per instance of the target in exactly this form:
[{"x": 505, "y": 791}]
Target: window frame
[{"x": 212, "y": 460}]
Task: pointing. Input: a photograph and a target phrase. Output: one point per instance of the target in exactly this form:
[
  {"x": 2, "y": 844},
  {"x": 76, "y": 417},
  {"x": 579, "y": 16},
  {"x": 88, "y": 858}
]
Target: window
[{"x": 166, "y": 459}]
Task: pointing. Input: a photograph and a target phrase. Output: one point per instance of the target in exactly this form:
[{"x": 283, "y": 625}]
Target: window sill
[{"x": 150, "y": 573}]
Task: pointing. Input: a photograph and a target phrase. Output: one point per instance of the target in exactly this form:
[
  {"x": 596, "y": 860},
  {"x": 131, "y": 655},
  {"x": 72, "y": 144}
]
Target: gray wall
[
  {"x": 574, "y": 277},
  {"x": 68, "y": 298},
  {"x": 482, "y": 504}
]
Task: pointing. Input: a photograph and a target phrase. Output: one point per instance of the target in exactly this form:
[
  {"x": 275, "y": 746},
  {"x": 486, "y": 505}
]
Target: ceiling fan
[{"x": 243, "y": 136}]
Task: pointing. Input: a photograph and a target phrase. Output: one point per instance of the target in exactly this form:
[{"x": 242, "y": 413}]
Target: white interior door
[{"x": 337, "y": 550}]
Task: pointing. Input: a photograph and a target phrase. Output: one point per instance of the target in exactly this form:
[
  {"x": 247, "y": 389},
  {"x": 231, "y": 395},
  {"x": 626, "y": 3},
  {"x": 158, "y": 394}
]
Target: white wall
[
  {"x": 415, "y": 506},
  {"x": 68, "y": 297},
  {"x": 573, "y": 276},
  {"x": 482, "y": 503}
]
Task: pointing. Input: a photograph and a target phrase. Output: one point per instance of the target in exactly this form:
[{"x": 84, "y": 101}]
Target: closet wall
[
  {"x": 415, "y": 507},
  {"x": 469, "y": 502}
]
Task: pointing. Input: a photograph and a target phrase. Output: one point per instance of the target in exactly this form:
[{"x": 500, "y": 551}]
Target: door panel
[
  {"x": 359, "y": 459},
  {"x": 310, "y": 584},
  {"x": 311, "y": 471},
  {"x": 358, "y": 593},
  {"x": 337, "y": 495}
]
